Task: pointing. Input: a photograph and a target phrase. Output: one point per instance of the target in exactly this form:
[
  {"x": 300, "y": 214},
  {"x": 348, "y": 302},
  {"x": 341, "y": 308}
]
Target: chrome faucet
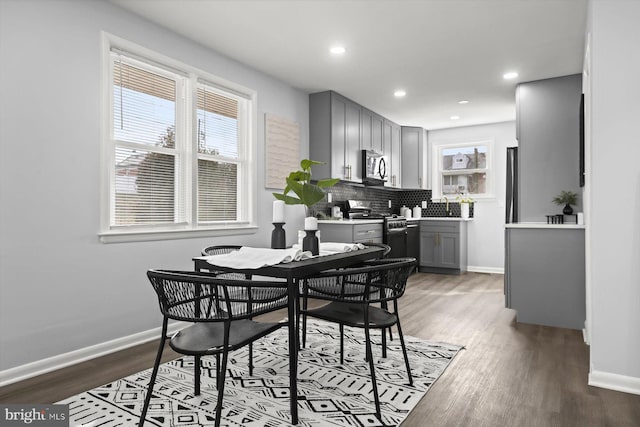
[{"x": 446, "y": 209}]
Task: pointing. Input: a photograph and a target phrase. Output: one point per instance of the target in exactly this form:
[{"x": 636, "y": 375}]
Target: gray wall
[
  {"x": 60, "y": 288},
  {"x": 549, "y": 144},
  {"x": 486, "y": 231},
  {"x": 615, "y": 193}
]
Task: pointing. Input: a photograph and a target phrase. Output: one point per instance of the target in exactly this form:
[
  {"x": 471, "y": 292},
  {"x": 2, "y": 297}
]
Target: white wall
[
  {"x": 60, "y": 288},
  {"x": 486, "y": 231},
  {"x": 615, "y": 195}
]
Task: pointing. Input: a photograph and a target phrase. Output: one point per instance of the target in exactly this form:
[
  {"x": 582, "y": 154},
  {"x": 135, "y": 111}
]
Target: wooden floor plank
[{"x": 510, "y": 374}]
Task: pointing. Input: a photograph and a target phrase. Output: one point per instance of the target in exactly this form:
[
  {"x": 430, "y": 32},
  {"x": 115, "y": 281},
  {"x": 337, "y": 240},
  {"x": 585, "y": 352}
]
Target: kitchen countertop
[
  {"x": 380, "y": 221},
  {"x": 544, "y": 225},
  {"x": 350, "y": 221},
  {"x": 440, "y": 218}
]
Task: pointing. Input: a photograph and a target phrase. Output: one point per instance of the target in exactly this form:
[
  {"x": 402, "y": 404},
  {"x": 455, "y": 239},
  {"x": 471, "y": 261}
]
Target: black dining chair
[
  {"x": 220, "y": 311},
  {"x": 225, "y": 249},
  {"x": 351, "y": 293},
  {"x": 219, "y": 249},
  {"x": 386, "y": 249}
]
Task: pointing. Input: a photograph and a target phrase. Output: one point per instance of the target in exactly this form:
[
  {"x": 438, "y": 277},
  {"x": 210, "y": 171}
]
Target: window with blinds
[
  {"x": 217, "y": 117},
  {"x": 177, "y": 148},
  {"x": 145, "y": 149}
]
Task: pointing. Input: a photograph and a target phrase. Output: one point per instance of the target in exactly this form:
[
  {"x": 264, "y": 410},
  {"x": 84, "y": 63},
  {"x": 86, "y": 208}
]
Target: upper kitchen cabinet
[
  {"x": 391, "y": 136},
  {"x": 372, "y": 130},
  {"x": 412, "y": 151},
  {"x": 335, "y": 133},
  {"x": 548, "y": 132}
]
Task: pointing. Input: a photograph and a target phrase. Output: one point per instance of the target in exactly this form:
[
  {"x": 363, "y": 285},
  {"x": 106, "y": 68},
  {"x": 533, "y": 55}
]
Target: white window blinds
[
  {"x": 144, "y": 145},
  {"x": 218, "y": 166}
]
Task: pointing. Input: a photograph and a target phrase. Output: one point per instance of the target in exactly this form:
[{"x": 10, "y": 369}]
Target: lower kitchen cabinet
[
  {"x": 347, "y": 231},
  {"x": 545, "y": 274},
  {"x": 443, "y": 246}
]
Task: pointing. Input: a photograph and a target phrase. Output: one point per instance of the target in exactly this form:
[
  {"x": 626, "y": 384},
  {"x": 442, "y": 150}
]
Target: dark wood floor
[{"x": 510, "y": 374}]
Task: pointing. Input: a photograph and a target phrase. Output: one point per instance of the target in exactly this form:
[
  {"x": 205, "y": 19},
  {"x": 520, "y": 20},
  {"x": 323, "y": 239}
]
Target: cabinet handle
[
  {"x": 437, "y": 239},
  {"x": 349, "y": 172},
  {"x": 420, "y": 181}
]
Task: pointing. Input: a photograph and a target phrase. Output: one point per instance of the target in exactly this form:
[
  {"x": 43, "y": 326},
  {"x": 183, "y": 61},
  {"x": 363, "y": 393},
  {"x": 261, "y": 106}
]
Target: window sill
[{"x": 151, "y": 235}]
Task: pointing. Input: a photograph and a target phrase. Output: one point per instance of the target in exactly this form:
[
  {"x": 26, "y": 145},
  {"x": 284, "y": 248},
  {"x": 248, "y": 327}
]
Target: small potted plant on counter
[
  {"x": 566, "y": 198},
  {"x": 464, "y": 201}
]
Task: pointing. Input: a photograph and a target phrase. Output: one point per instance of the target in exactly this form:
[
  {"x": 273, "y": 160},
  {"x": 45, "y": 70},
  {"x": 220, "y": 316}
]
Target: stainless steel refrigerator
[{"x": 511, "y": 200}]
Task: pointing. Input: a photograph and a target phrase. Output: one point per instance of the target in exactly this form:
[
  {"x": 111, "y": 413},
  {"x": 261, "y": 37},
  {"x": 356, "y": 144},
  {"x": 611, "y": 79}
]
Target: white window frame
[
  {"x": 187, "y": 147},
  {"x": 436, "y": 168}
]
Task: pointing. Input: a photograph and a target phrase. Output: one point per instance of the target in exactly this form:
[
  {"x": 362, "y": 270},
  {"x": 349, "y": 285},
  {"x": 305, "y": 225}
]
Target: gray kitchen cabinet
[
  {"x": 545, "y": 275},
  {"x": 412, "y": 164},
  {"x": 350, "y": 232},
  {"x": 335, "y": 126},
  {"x": 372, "y": 130},
  {"x": 391, "y": 139},
  {"x": 443, "y": 246}
]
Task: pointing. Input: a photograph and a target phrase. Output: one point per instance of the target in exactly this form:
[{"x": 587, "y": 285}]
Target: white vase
[{"x": 464, "y": 210}]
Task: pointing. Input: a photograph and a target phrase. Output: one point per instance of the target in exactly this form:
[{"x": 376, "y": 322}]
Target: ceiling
[{"x": 438, "y": 51}]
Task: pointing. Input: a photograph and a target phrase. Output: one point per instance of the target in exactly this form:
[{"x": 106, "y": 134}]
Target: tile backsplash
[{"x": 380, "y": 197}]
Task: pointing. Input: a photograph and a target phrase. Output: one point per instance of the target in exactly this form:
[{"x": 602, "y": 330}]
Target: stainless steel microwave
[{"x": 374, "y": 168}]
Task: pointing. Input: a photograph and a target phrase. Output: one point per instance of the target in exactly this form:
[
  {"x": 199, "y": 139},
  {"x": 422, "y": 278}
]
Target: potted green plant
[
  {"x": 566, "y": 198},
  {"x": 308, "y": 193}
]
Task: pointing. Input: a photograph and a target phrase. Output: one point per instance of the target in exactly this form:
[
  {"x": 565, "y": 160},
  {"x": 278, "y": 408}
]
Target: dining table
[{"x": 293, "y": 272}]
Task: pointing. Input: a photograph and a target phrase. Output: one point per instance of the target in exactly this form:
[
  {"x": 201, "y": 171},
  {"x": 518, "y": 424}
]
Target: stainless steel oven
[{"x": 394, "y": 234}]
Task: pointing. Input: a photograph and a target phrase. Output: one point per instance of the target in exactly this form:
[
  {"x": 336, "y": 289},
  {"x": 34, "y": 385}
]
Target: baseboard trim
[
  {"x": 585, "y": 333},
  {"x": 43, "y": 366},
  {"x": 615, "y": 382},
  {"x": 490, "y": 270}
]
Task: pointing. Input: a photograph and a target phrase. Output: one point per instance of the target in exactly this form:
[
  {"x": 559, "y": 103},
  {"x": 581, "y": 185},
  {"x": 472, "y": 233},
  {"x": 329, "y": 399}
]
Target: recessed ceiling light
[
  {"x": 464, "y": 101},
  {"x": 399, "y": 93},
  {"x": 455, "y": 117},
  {"x": 510, "y": 75},
  {"x": 338, "y": 50}
]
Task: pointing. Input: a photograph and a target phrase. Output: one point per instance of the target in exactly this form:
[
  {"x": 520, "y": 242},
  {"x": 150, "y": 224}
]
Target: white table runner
[{"x": 248, "y": 257}]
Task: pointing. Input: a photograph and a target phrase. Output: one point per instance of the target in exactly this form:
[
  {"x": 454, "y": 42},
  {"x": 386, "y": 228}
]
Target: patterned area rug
[{"x": 330, "y": 394}]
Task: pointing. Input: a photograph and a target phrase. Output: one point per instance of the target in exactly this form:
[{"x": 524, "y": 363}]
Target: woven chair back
[
  {"x": 219, "y": 249},
  {"x": 386, "y": 248},
  {"x": 207, "y": 297},
  {"x": 371, "y": 282}
]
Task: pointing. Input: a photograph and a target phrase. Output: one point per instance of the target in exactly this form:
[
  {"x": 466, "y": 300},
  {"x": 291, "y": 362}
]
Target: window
[
  {"x": 178, "y": 150},
  {"x": 462, "y": 169}
]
